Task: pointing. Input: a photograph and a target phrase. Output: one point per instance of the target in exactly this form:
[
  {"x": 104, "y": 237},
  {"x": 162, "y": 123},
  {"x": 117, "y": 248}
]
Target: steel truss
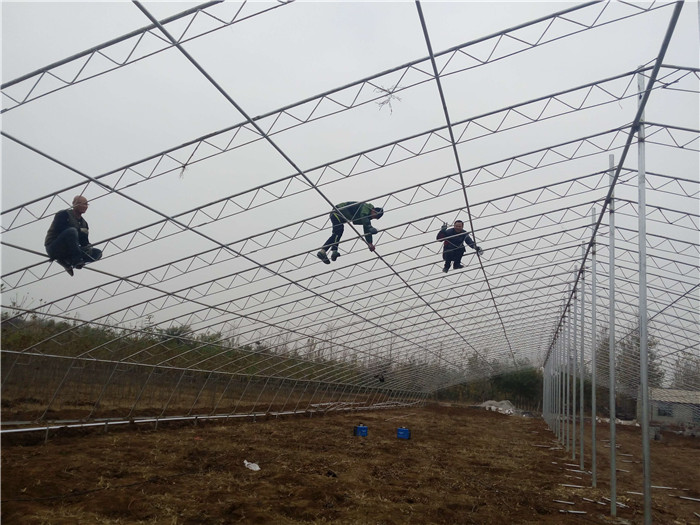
[{"x": 252, "y": 323}]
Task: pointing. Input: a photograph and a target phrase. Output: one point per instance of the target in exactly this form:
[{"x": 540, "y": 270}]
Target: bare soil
[{"x": 461, "y": 466}]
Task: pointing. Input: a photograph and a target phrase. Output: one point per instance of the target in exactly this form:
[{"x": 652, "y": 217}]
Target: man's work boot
[{"x": 67, "y": 267}]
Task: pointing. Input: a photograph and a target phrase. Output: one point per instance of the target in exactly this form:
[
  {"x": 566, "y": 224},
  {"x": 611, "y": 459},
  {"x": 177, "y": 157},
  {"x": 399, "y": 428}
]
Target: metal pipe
[
  {"x": 567, "y": 378},
  {"x": 574, "y": 361},
  {"x": 594, "y": 364},
  {"x": 643, "y": 347},
  {"x": 560, "y": 388},
  {"x": 555, "y": 370},
  {"x": 635, "y": 123},
  {"x": 611, "y": 339},
  {"x": 114, "y": 41},
  {"x": 582, "y": 290}
]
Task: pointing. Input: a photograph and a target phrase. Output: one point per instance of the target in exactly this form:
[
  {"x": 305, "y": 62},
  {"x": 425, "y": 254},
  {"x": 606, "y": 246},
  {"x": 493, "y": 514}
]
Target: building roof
[{"x": 672, "y": 395}]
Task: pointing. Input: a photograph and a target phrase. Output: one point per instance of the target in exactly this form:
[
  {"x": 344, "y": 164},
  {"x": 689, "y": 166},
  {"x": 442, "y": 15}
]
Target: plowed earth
[{"x": 461, "y": 466}]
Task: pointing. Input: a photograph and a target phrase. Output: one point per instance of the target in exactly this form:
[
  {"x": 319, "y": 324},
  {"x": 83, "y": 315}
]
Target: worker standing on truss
[
  {"x": 453, "y": 245},
  {"x": 359, "y": 213},
  {"x": 67, "y": 240}
]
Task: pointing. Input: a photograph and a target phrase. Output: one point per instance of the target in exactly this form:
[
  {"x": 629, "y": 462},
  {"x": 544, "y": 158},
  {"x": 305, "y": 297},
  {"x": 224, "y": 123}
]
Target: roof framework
[{"x": 236, "y": 266}]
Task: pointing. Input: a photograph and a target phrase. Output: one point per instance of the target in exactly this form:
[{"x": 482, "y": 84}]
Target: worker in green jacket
[{"x": 359, "y": 213}]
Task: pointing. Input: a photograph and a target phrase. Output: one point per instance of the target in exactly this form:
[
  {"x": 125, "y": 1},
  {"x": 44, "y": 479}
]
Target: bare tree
[{"x": 687, "y": 373}]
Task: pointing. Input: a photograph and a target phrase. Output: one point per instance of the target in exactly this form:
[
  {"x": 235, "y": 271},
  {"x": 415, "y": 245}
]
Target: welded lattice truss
[{"x": 223, "y": 309}]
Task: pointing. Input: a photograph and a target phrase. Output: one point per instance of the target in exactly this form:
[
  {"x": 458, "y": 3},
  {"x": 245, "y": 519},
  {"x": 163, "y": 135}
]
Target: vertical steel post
[
  {"x": 574, "y": 361},
  {"x": 562, "y": 379},
  {"x": 553, "y": 393},
  {"x": 582, "y": 293},
  {"x": 594, "y": 364},
  {"x": 560, "y": 374},
  {"x": 550, "y": 390},
  {"x": 550, "y": 403},
  {"x": 643, "y": 347},
  {"x": 555, "y": 386},
  {"x": 567, "y": 378},
  {"x": 545, "y": 399},
  {"x": 611, "y": 343},
  {"x": 558, "y": 389}
]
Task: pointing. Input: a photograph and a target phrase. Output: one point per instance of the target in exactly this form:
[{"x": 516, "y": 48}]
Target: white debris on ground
[
  {"x": 502, "y": 407},
  {"x": 605, "y": 420},
  {"x": 250, "y": 465}
]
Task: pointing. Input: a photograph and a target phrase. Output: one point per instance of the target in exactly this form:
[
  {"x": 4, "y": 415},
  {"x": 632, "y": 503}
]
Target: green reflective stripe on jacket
[
  {"x": 359, "y": 213},
  {"x": 355, "y": 212}
]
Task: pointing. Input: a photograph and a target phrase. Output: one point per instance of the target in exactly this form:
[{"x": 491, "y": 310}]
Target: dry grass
[
  {"x": 94, "y": 391},
  {"x": 462, "y": 466}
]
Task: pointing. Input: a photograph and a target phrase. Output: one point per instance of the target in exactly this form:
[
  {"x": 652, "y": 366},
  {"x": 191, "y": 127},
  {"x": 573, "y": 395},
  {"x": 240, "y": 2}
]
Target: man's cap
[{"x": 380, "y": 212}]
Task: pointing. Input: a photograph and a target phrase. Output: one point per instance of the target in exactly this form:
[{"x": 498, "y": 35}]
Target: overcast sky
[{"x": 277, "y": 58}]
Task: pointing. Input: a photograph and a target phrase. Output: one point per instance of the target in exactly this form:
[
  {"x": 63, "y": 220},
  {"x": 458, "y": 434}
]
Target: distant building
[{"x": 673, "y": 407}]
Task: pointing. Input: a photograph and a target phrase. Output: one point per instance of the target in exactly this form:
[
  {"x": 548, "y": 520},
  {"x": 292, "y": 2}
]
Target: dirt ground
[{"x": 461, "y": 466}]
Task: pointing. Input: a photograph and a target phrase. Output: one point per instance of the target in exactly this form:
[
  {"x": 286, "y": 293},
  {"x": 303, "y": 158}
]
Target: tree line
[{"x": 523, "y": 386}]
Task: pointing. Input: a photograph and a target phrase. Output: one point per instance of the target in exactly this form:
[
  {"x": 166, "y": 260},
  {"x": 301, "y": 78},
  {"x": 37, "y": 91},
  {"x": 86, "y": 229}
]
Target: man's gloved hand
[
  {"x": 444, "y": 226},
  {"x": 371, "y": 247},
  {"x": 479, "y": 251},
  {"x": 373, "y": 231}
]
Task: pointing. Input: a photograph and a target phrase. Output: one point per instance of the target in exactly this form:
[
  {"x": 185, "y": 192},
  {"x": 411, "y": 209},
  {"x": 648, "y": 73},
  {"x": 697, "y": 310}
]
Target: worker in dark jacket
[
  {"x": 359, "y": 213},
  {"x": 453, "y": 245},
  {"x": 67, "y": 239}
]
